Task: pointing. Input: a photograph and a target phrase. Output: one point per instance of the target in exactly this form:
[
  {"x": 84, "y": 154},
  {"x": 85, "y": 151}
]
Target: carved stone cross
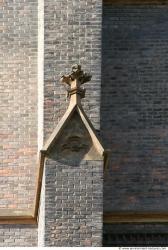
[{"x": 74, "y": 80}]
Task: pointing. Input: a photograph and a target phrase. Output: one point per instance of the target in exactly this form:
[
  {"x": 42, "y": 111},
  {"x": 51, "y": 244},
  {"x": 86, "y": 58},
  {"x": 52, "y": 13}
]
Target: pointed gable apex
[
  {"x": 74, "y": 136},
  {"x": 66, "y": 121}
]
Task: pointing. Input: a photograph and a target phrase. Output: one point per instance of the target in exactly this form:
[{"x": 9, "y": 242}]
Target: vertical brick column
[
  {"x": 72, "y": 34},
  {"x": 73, "y": 204},
  {"x": 73, "y": 194}
]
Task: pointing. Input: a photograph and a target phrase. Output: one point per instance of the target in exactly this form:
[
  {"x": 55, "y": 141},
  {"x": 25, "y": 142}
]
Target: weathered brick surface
[
  {"x": 18, "y": 115},
  {"x": 73, "y": 204},
  {"x": 18, "y": 103},
  {"x": 134, "y": 107},
  {"x": 18, "y": 236},
  {"x": 72, "y": 35},
  {"x": 41, "y": 218}
]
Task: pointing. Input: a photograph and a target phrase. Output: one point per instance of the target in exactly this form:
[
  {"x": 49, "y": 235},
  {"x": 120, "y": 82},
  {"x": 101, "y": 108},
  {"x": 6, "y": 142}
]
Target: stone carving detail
[
  {"x": 76, "y": 73},
  {"x": 75, "y": 143},
  {"x": 74, "y": 139},
  {"x": 75, "y": 79}
]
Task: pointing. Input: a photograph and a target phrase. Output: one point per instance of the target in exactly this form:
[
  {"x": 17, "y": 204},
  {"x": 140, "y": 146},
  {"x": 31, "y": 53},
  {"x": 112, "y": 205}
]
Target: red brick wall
[{"x": 18, "y": 104}]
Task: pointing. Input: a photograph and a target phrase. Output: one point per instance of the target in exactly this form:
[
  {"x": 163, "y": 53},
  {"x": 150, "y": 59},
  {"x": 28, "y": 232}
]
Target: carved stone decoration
[
  {"x": 74, "y": 139},
  {"x": 75, "y": 79},
  {"x": 74, "y": 144}
]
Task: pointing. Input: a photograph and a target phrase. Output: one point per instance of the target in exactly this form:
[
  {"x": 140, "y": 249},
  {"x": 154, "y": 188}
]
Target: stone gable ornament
[
  {"x": 74, "y": 139},
  {"x": 75, "y": 79}
]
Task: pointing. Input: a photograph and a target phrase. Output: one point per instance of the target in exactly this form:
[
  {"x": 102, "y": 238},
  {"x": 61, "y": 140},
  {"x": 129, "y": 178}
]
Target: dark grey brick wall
[
  {"x": 135, "y": 235},
  {"x": 73, "y": 204},
  {"x": 134, "y": 105}
]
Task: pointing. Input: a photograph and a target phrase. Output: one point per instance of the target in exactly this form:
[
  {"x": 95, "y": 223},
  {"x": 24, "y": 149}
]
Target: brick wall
[
  {"x": 134, "y": 105},
  {"x": 73, "y": 204},
  {"x": 135, "y": 235},
  {"x": 41, "y": 218},
  {"x": 18, "y": 102},
  {"x": 72, "y": 34},
  {"x": 18, "y": 116},
  {"x": 18, "y": 236}
]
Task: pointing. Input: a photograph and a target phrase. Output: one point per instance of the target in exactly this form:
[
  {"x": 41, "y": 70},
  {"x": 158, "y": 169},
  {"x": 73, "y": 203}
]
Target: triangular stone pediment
[
  {"x": 74, "y": 143},
  {"x": 74, "y": 140}
]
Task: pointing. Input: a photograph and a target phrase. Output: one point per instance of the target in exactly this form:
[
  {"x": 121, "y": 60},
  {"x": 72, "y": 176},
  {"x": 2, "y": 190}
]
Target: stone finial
[
  {"x": 75, "y": 79},
  {"x": 74, "y": 137}
]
